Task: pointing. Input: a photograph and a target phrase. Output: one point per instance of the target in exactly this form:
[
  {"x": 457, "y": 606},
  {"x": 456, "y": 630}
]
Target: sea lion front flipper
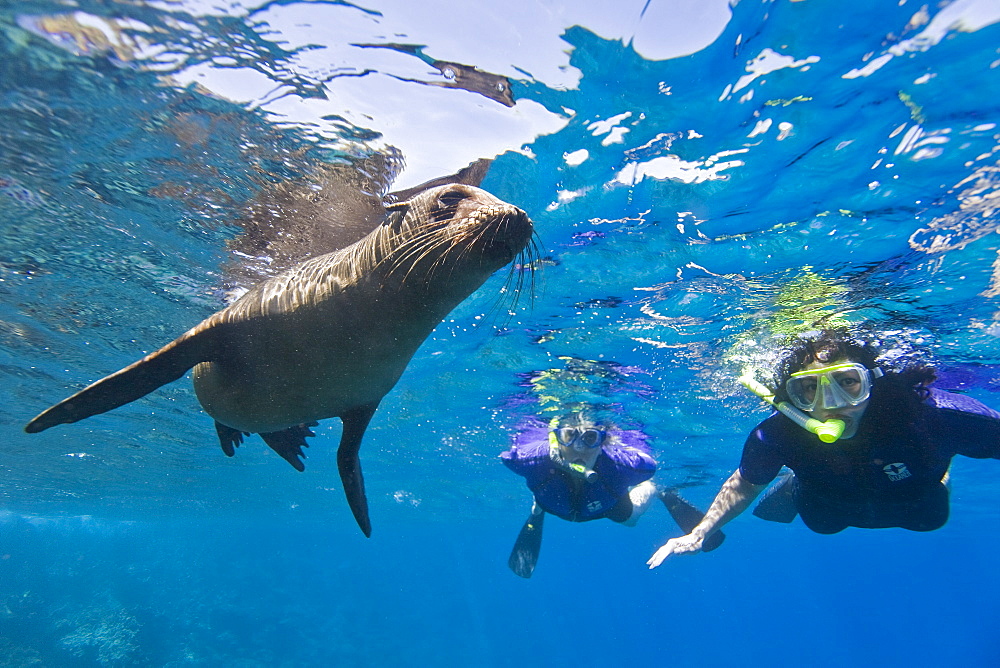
[
  {"x": 133, "y": 382},
  {"x": 289, "y": 443},
  {"x": 229, "y": 438},
  {"x": 355, "y": 422}
]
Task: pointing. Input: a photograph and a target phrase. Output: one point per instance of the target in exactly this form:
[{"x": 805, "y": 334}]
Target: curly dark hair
[{"x": 827, "y": 346}]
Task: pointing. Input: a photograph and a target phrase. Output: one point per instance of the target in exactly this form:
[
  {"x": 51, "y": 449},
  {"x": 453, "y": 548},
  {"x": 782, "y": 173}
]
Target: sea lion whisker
[
  {"x": 418, "y": 253},
  {"x": 429, "y": 245},
  {"x": 415, "y": 247},
  {"x": 442, "y": 260},
  {"x": 402, "y": 256},
  {"x": 514, "y": 284},
  {"x": 525, "y": 263},
  {"x": 497, "y": 305}
]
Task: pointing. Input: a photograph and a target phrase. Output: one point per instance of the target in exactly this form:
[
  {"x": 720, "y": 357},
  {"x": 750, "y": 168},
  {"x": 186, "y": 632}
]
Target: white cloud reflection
[{"x": 442, "y": 129}]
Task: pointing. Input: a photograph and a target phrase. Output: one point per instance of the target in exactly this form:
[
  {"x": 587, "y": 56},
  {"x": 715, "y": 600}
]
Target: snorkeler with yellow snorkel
[{"x": 867, "y": 447}]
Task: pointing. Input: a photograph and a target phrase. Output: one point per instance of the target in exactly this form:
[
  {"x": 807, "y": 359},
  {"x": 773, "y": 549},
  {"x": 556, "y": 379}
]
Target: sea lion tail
[
  {"x": 355, "y": 423},
  {"x": 134, "y": 381}
]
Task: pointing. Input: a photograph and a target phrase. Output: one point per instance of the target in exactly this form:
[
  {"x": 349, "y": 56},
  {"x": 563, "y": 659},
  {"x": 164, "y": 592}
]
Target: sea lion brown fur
[{"x": 330, "y": 336}]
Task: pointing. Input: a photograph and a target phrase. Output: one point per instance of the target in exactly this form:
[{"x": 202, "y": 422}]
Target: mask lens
[
  {"x": 591, "y": 438},
  {"x": 802, "y": 391},
  {"x": 580, "y": 438},
  {"x": 833, "y": 387},
  {"x": 849, "y": 382},
  {"x": 566, "y": 435}
]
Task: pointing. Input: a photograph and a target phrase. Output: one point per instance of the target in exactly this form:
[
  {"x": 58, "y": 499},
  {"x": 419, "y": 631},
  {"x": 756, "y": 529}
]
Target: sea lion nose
[
  {"x": 519, "y": 220},
  {"x": 516, "y": 229}
]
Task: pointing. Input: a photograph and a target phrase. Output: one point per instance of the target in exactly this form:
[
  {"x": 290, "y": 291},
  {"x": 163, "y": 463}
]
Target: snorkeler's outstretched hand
[{"x": 681, "y": 545}]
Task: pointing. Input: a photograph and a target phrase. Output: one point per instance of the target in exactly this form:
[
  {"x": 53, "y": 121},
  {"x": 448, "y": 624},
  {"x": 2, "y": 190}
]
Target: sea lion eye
[
  {"x": 450, "y": 199},
  {"x": 447, "y": 204}
]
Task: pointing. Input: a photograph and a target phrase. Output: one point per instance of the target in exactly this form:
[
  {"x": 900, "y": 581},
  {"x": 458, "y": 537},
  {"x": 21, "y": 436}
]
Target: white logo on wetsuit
[
  {"x": 897, "y": 471},
  {"x": 594, "y": 506}
]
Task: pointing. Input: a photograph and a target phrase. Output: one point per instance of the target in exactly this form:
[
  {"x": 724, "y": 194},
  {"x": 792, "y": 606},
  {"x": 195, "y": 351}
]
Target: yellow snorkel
[
  {"x": 588, "y": 474},
  {"x": 828, "y": 431}
]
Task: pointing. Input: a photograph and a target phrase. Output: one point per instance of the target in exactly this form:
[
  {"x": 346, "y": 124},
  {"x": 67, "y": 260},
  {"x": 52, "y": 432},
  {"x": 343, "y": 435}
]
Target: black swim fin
[
  {"x": 778, "y": 503},
  {"x": 688, "y": 517},
  {"x": 524, "y": 556},
  {"x": 349, "y": 465}
]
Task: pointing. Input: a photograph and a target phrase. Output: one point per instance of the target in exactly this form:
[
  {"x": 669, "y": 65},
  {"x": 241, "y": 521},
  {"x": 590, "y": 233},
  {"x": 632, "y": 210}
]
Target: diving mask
[
  {"x": 580, "y": 438},
  {"x": 831, "y": 387}
]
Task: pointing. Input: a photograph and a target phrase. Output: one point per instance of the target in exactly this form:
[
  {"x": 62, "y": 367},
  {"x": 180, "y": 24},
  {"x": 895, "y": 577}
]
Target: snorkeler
[
  {"x": 867, "y": 448},
  {"x": 581, "y": 470}
]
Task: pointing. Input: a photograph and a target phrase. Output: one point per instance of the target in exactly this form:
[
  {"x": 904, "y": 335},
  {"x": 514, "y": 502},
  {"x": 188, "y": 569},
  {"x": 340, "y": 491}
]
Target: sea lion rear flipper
[
  {"x": 355, "y": 422},
  {"x": 134, "y": 381},
  {"x": 688, "y": 517},
  {"x": 289, "y": 443}
]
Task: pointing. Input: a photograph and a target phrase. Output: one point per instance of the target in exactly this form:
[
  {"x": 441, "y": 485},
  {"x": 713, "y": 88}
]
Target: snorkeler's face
[
  {"x": 851, "y": 415},
  {"x": 585, "y": 457},
  {"x": 580, "y": 444}
]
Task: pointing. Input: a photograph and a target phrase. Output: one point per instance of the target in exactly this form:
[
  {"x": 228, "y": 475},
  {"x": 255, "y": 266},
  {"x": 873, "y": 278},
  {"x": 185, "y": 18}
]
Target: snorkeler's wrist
[{"x": 699, "y": 532}]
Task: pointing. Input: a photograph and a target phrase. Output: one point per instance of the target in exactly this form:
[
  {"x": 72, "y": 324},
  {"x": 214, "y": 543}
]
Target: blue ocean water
[{"x": 797, "y": 161}]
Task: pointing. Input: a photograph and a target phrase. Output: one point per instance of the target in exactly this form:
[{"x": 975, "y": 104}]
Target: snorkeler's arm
[
  {"x": 972, "y": 429},
  {"x": 735, "y": 496}
]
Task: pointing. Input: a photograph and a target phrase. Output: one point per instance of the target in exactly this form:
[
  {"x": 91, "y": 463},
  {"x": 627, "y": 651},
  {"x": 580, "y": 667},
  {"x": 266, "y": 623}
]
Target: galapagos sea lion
[{"x": 330, "y": 336}]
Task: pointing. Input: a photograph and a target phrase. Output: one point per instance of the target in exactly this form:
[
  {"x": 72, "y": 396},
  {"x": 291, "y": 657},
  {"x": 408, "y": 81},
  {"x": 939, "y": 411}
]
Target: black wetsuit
[{"x": 878, "y": 478}]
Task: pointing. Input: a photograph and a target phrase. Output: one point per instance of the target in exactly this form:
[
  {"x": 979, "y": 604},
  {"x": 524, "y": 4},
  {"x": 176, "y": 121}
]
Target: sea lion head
[{"x": 455, "y": 232}]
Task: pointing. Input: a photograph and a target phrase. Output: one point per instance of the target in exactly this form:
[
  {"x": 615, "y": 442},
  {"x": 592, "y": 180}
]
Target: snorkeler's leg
[
  {"x": 778, "y": 503},
  {"x": 524, "y": 556},
  {"x": 925, "y": 513},
  {"x": 641, "y": 496},
  {"x": 688, "y": 516},
  {"x": 822, "y": 517}
]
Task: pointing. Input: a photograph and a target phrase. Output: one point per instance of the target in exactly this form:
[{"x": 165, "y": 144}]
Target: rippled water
[{"x": 701, "y": 177}]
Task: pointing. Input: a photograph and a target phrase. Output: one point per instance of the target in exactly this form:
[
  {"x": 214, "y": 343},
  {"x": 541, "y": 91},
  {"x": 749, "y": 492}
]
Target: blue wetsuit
[
  {"x": 569, "y": 496},
  {"x": 879, "y": 478}
]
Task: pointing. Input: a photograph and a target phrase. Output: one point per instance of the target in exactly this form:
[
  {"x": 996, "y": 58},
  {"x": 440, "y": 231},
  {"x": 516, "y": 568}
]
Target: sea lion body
[
  {"x": 283, "y": 365},
  {"x": 330, "y": 336}
]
